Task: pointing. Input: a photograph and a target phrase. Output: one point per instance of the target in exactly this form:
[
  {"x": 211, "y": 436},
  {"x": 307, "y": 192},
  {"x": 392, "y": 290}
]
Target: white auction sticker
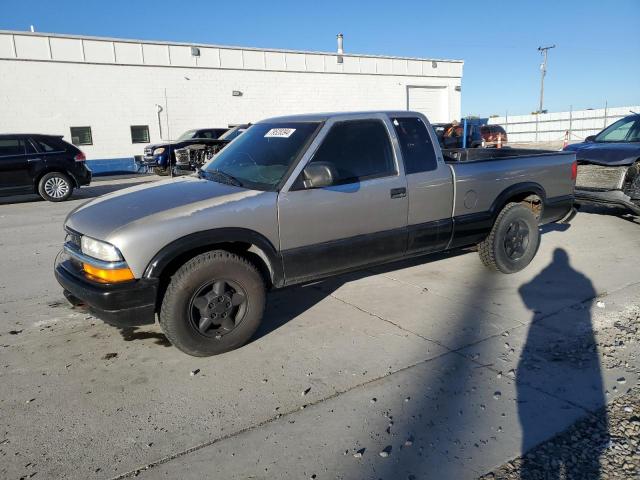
[{"x": 280, "y": 132}]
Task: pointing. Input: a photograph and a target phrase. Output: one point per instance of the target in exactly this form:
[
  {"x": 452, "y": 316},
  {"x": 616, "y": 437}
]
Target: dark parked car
[
  {"x": 42, "y": 164},
  {"x": 493, "y": 135},
  {"x": 157, "y": 155},
  {"x": 450, "y": 135},
  {"x": 609, "y": 165}
]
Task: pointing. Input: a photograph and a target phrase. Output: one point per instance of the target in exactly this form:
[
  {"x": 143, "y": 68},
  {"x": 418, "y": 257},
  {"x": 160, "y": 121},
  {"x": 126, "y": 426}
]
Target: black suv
[{"x": 43, "y": 164}]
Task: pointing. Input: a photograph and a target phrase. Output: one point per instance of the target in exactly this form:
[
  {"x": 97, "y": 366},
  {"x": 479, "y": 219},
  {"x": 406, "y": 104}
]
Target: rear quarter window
[
  {"x": 51, "y": 144},
  {"x": 417, "y": 149}
]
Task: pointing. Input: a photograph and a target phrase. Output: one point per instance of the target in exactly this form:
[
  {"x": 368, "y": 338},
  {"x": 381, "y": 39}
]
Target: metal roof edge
[{"x": 228, "y": 47}]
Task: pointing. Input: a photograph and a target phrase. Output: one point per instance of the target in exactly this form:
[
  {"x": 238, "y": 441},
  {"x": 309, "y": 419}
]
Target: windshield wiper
[{"x": 223, "y": 177}]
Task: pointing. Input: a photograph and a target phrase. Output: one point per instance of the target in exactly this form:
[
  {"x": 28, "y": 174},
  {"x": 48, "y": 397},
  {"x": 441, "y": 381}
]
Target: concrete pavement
[{"x": 446, "y": 368}]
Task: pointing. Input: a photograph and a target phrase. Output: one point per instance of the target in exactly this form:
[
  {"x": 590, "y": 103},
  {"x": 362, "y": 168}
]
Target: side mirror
[
  {"x": 590, "y": 138},
  {"x": 317, "y": 175}
]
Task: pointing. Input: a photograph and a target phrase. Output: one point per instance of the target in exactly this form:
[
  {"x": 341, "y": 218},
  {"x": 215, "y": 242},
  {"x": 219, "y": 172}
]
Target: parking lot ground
[{"x": 410, "y": 370}]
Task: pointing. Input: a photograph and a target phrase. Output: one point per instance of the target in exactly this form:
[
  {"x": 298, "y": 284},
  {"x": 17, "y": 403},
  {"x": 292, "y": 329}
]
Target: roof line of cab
[{"x": 321, "y": 117}]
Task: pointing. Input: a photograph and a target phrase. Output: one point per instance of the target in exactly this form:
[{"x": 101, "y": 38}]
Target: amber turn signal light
[{"x": 107, "y": 276}]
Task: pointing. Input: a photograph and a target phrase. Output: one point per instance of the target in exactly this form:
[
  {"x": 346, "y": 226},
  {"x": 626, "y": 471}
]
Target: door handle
[
  {"x": 33, "y": 160},
  {"x": 398, "y": 192}
]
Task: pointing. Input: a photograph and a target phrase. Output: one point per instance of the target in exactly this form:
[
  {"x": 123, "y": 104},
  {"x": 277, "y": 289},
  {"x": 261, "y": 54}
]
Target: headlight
[
  {"x": 100, "y": 250},
  {"x": 158, "y": 151}
]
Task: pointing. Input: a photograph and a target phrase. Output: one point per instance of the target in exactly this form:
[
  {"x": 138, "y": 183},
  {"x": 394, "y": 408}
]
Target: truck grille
[
  {"x": 182, "y": 156},
  {"x": 598, "y": 176},
  {"x": 148, "y": 151}
]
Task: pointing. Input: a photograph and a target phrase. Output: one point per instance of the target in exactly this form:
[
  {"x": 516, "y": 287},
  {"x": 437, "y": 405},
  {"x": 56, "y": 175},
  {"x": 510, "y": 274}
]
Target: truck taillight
[
  {"x": 80, "y": 157},
  {"x": 574, "y": 170}
]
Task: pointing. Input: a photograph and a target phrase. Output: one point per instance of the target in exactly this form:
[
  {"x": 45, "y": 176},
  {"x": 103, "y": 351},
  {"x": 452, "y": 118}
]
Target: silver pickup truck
[{"x": 295, "y": 199}]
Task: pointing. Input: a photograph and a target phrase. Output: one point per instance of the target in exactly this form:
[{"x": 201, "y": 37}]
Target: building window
[
  {"x": 81, "y": 136},
  {"x": 139, "y": 133}
]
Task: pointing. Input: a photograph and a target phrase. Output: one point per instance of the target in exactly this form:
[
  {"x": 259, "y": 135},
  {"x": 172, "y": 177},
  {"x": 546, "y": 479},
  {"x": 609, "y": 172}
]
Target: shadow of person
[{"x": 559, "y": 358}]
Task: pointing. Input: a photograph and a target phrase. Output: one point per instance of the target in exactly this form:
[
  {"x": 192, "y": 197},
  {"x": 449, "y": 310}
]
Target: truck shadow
[
  {"x": 613, "y": 211},
  {"x": 286, "y": 304},
  {"x": 131, "y": 334}
]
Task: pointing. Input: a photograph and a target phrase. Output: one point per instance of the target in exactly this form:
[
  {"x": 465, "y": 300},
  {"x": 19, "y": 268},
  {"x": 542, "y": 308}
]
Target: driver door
[{"x": 361, "y": 218}]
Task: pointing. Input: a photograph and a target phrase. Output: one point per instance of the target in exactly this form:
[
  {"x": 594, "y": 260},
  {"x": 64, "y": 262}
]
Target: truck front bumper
[
  {"x": 124, "y": 304},
  {"x": 606, "y": 197},
  {"x": 156, "y": 160}
]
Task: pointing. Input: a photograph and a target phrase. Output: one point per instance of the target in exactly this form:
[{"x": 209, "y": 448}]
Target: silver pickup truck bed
[{"x": 481, "y": 175}]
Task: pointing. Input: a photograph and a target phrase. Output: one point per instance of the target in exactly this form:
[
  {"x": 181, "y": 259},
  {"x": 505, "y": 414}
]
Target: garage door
[{"x": 432, "y": 101}]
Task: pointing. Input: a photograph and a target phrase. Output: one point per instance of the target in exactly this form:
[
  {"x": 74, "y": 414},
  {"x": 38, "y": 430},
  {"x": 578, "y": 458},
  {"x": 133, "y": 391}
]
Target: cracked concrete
[{"x": 410, "y": 356}]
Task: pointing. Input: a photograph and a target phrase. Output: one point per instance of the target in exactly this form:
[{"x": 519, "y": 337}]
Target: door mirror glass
[{"x": 317, "y": 175}]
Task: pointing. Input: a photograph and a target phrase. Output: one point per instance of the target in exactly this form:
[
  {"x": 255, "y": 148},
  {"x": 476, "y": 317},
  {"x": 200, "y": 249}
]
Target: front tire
[
  {"x": 513, "y": 241},
  {"x": 213, "y": 304},
  {"x": 55, "y": 187}
]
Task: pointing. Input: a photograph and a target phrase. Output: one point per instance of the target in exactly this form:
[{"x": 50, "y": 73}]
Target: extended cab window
[
  {"x": 357, "y": 150},
  {"x": 11, "y": 146},
  {"x": 416, "y": 146}
]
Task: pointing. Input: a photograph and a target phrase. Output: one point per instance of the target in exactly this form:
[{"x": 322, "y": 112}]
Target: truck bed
[
  {"x": 457, "y": 155},
  {"x": 481, "y": 175}
]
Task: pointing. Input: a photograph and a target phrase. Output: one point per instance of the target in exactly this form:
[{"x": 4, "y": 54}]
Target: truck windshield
[
  {"x": 261, "y": 156},
  {"x": 188, "y": 135}
]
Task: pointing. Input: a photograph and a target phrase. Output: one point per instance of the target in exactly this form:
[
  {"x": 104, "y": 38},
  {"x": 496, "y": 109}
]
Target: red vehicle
[{"x": 493, "y": 135}]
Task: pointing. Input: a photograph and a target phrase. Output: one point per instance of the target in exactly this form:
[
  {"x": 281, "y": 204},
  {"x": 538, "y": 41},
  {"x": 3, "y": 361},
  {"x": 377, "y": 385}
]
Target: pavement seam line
[{"x": 387, "y": 321}]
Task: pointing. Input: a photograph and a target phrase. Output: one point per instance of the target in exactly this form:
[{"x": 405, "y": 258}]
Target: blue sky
[{"x": 597, "y": 58}]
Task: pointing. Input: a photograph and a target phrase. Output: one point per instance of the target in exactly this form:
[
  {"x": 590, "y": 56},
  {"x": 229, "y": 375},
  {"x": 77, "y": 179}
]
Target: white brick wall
[{"x": 119, "y": 84}]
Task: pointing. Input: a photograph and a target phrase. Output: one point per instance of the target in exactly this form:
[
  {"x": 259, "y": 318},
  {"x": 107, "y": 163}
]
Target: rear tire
[
  {"x": 213, "y": 304},
  {"x": 513, "y": 241},
  {"x": 55, "y": 187}
]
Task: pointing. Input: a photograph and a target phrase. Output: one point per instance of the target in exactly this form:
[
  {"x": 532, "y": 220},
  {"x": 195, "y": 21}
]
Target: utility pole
[{"x": 543, "y": 70}]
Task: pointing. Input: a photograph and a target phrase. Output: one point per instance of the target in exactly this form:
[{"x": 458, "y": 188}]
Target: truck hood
[
  {"x": 613, "y": 154},
  {"x": 106, "y": 216}
]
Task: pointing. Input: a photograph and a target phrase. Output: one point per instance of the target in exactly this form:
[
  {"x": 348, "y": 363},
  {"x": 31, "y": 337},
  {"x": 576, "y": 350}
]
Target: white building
[{"x": 50, "y": 83}]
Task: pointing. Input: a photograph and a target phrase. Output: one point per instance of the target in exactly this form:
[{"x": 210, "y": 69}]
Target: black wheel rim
[
  {"x": 516, "y": 240},
  {"x": 217, "y": 308}
]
